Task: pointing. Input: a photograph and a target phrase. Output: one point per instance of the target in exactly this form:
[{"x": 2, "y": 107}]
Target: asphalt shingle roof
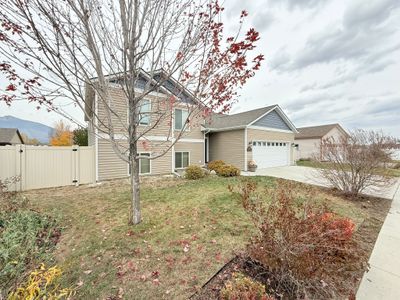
[
  {"x": 314, "y": 131},
  {"x": 7, "y": 134},
  {"x": 219, "y": 121}
]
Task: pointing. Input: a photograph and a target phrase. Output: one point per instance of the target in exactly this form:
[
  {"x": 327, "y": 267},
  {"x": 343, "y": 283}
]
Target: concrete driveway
[{"x": 311, "y": 176}]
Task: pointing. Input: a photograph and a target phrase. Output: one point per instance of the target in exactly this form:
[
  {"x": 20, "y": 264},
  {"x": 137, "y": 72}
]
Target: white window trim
[
  {"x": 181, "y": 151},
  {"x": 143, "y": 152},
  {"x": 187, "y": 128},
  {"x": 149, "y": 113},
  {"x": 140, "y": 166},
  {"x": 273, "y": 141}
]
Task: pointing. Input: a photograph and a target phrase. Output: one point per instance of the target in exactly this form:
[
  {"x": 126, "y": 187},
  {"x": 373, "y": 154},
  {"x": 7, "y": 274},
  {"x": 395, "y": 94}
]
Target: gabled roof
[
  {"x": 170, "y": 86},
  {"x": 7, "y": 134},
  {"x": 220, "y": 122},
  {"x": 316, "y": 131}
]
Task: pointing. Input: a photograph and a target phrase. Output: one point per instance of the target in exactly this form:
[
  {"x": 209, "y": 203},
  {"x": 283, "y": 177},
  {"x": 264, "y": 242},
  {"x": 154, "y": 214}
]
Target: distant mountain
[{"x": 31, "y": 129}]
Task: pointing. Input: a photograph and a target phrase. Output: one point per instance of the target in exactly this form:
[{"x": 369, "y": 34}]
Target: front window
[
  {"x": 144, "y": 114},
  {"x": 144, "y": 164},
  {"x": 181, "y": 117},
  {"x": 181, "y": 160}
]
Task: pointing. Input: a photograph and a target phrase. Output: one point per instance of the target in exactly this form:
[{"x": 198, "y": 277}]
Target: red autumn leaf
[
  {"x": 240, "y": 63},
  {"x": 11, "y": 87},
  {"x": 179, "y": 56},
  {"x": 252, "y": 35}
]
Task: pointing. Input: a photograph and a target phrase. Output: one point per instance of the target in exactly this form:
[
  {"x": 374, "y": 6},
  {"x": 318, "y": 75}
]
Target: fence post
[
  {"x": 20, "y": 153},
  {"x": 75, "y": 162}
]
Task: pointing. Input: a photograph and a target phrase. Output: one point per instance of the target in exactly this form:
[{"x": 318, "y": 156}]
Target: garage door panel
[{"x": 268, "y": 154}]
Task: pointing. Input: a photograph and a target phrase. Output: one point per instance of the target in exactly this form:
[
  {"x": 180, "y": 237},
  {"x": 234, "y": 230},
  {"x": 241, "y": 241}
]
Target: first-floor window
[
  {"x": 144, "y": 164},
  {"x": 181, "y": 160}
]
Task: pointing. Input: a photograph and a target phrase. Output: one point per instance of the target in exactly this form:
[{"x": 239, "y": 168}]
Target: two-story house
[{"x": 265, "y": 135}]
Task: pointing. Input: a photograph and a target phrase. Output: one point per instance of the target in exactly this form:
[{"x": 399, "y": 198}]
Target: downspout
[{"x": 206, "y": 152}]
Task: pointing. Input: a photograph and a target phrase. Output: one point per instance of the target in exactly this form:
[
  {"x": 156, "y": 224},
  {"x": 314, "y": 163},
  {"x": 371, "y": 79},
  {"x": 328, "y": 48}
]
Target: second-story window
[
  {"x": 181, "y": 116},
  {"x": 144, "y": 115}
]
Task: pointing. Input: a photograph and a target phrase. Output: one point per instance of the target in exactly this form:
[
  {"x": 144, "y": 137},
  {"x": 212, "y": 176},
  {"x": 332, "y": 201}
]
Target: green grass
[
  {"x": 26, "y": 240},
  {"x": 315, "y": 164},
  {"x": 105, "y": 257}
]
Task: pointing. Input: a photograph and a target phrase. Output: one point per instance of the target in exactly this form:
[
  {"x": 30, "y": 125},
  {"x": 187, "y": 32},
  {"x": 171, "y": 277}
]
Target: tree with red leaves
[{"x": 67, "y": 48}]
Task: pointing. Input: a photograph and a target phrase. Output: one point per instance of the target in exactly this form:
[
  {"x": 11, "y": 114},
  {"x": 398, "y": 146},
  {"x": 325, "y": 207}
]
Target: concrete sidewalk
[{"x": 383, "y": 279}]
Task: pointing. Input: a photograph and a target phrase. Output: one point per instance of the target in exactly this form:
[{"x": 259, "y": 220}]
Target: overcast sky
[{"x": 327, "y": 61}]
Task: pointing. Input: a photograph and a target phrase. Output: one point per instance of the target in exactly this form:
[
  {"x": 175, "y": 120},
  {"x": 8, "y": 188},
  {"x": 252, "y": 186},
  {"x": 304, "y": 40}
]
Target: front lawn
[
  {"x": 316, "y": 164},
  {"x": 190, "y": 229}
]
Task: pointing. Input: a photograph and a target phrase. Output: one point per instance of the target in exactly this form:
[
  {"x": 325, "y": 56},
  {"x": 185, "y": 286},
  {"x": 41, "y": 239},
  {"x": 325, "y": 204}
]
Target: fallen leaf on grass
[{"x": 87, "y": 272}]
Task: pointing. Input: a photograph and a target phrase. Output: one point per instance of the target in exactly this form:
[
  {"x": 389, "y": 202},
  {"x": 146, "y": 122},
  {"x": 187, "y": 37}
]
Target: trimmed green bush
[{"x": 194, "y": 172}]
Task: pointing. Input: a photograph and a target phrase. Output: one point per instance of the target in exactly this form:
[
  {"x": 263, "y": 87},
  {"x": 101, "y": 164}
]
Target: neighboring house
[
  {"x": 265, "y": 135},
  {"x": 309, "y": 139},
  {"x": 10, "y": 136},
  {"x": 396, "y": 152}
]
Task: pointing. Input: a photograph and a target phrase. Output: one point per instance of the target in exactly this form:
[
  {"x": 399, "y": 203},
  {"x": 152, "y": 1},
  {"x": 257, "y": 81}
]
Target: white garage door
[{"x": 271, "y": 154}]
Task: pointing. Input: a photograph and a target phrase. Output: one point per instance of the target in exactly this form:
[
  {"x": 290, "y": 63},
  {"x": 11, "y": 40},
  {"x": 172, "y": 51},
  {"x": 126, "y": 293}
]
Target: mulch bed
[{"x": 211, "y": 289}]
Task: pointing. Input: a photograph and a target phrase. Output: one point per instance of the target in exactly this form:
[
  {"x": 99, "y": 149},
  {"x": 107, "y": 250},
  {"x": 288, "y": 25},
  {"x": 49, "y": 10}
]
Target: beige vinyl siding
[
  {"x": 335, "y": 134},
  {"x": 161, "y": 165},
  {"x": 267, "y": 135},
  {"x": 195, "y": 122},
  {"x": 110, "y": 165},
  {"x": 196, "y": 151},
  {"x": 159, "y": 104},
  {"x": 16, "y": 139},
  {"x": 194, "y": 132},
  {"x": 309, "y": 148},
  {"x": 118, "y": 106},
  {"x": 228, "y": 146}
]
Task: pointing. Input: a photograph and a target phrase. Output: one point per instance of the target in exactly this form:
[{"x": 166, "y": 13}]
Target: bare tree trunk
[{"x": 135, "y": 214}]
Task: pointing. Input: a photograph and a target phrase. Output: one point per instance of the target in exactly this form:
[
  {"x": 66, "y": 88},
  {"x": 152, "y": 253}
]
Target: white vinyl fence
[{"x": 44, "y": 166}]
